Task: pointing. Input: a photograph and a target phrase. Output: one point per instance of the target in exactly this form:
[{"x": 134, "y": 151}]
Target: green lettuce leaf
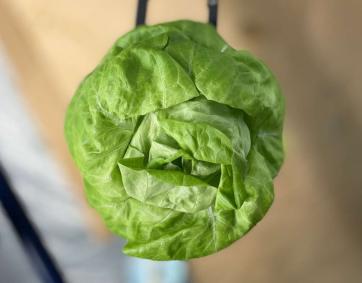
[{"x": 178, "y": 137}]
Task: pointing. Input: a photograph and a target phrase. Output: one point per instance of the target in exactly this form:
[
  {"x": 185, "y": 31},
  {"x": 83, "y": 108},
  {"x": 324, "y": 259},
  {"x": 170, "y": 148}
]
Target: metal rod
[
  {"x": 39, "y": 257},
  {"x": 141, "y": 12},
  {"x": 212, "y": 12}
]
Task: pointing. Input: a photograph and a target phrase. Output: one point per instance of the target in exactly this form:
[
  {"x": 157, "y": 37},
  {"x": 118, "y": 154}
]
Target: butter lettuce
[{"x": 178, "y": 137}]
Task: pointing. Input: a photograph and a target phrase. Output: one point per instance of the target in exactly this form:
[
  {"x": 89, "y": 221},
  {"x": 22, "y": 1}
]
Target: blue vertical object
[
  {"x": 39, "y": 257},
  {"x": 148, "y": 271}
]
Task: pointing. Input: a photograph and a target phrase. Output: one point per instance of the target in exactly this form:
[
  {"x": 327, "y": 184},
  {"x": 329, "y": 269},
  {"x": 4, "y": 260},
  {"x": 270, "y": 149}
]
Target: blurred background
[{"x": 312, "y": 232}]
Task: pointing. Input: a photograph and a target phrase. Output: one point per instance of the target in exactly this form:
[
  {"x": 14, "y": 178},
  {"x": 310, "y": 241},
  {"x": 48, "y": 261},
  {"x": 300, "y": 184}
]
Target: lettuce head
[{"x": 178, "y": 137}]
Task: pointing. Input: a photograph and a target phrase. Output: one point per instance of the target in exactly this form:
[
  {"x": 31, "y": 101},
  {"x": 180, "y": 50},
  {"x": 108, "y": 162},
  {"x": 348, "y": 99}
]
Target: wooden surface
[{"x": 313, "y": 231}]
